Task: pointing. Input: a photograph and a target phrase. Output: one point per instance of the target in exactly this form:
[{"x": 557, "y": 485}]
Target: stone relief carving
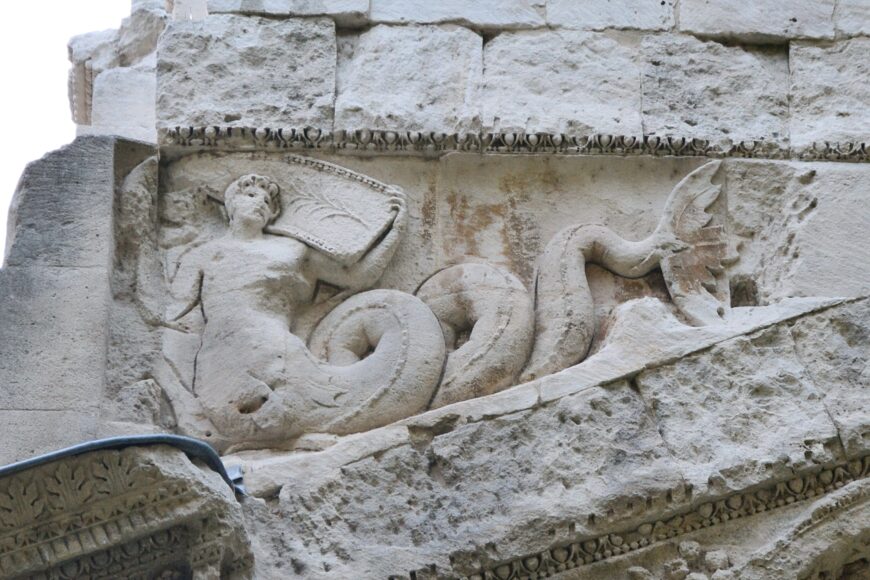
[
  {"x": 564, "y": 316},
  {"x": 134, "y": 513},
  {"x": 288, "y": 336},
  {"x": 372, "y": 360}
]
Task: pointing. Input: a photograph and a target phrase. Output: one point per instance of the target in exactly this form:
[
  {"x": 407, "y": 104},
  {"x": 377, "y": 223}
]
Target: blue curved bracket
[{"x": 193, "y": 448}]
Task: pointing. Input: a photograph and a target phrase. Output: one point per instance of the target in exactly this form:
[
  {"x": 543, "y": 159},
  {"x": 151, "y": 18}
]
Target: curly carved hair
[{"x": 253, "y": 181}]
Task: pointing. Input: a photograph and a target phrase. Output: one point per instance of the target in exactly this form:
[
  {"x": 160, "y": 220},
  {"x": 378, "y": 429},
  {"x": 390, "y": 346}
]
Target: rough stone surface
[
  {"x": 189, "y": 9},
  {"x": 138, "y": 34},
  {"x": 246, "y": 71},
  {"x": 761, "y": 21},
  {"x": 345, "y": 12},
  {"x": 852, "y": 17},
  {"x": 528, "y": 77},
  {"x": 620, "y": 14},
  {"x": 456, "y": 505},
  {"x": 730, "y": 410},
  {"x": 438, "y": 471},
  {"x": 29, "y": 432},
  {"x": 70, "y": 304},
  {"x": 124, "y": 98},
  {"x": 793, "y": 225},
  {"x": 436, "y": 90},
  {"x": 829, "y": 92},
  {"x": 61, "y": 214},
  {"x": 832, "y": 347},
  {"x": 710, "y": 91},
  {"x": 498, "y": 14}
]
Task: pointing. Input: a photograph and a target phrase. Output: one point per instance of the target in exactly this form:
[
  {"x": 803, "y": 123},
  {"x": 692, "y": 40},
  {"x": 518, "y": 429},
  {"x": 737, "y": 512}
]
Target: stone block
[
  {"x": 89, "y": 54},
  {"x": 833, "y": 345},
  {"x": 56, "y": 295},
  {"x": 189, "y": 9},
  {"x": 830, "y": 88},
  {"x": 740, "y": 413},
  {"x": 561, "y": 82},
  {"x": 710, "y": 91},
  {"x": 61, "y": 214},
  {"x": 344, "y": 12},
  {"x": 123, "y": 104},
  {"x": 53, "y": 334},
  {"x": 450, "y": 488},
  {"x": 246, "y": 72},
  {"x": 432, "y": 87},
  {"x": 137, "y": 37},
  {"x": 484, "y": 14},
  {"x": 27, "y": 433},
  {"x": 758, "y": 21},
  {"x": 824, "y": 214},
  {"x": 852, "y": 17},
  {"x": 618, "y": 14},
  {"x": 147, "y": 4}
]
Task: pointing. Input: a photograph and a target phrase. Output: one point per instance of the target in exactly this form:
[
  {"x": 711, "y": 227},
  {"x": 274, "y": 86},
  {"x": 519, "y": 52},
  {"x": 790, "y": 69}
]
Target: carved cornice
[
  {"x": 434, "y": 143},
  {"x": 588, "y": 550},
  {"x": 103, "y": 514}
]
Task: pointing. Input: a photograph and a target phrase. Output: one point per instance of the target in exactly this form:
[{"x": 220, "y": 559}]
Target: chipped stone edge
[
  {"x": 809, "y": 484},
  {"x": 371, "y": 141}
]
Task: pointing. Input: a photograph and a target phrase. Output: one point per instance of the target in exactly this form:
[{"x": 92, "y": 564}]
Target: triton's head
[{"x": 253, "y": 198}]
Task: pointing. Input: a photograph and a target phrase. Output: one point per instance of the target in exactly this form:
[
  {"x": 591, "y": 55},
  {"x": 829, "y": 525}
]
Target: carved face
[{"x": 252, "y": 198}]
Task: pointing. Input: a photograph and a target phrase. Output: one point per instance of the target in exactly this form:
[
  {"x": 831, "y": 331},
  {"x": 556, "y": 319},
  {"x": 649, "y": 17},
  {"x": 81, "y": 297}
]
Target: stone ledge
[
  {"x": 810, "y": 485},
  {"x": 370, "y": 141}
]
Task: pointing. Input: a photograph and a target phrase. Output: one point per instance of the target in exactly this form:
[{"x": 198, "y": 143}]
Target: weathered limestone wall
[
  {"x": 717, "y": 72},
  {"x": 530, "y": 68},
  {"x": 56, "y": 290}
]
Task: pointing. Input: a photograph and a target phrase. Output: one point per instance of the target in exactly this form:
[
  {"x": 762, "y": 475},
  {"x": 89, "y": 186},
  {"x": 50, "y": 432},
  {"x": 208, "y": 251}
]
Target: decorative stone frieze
[
  {"x": 463, "y": 290},
  {"x": 135, "y": 513},
  {"x": 363, "y": 141},
  {"x": 813, "y": 487},
  {"x": 467, "y": 510}
]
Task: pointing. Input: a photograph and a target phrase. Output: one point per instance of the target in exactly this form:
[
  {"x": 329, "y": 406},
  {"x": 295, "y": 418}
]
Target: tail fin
[{"x": 694, "y": 276}]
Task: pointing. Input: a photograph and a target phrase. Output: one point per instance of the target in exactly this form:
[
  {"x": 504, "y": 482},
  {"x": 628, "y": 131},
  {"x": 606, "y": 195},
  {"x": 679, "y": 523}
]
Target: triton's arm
[{"x": 185, "y": 285}]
